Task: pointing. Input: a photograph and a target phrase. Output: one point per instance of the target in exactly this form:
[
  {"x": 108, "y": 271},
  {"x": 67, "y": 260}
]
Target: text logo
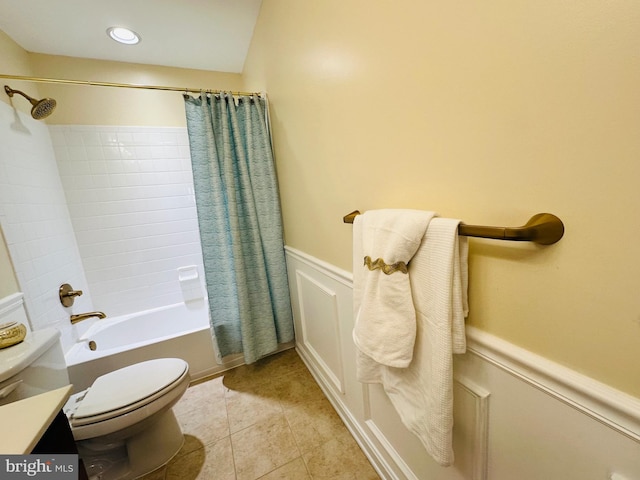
[{"x": 40, "y": 467}]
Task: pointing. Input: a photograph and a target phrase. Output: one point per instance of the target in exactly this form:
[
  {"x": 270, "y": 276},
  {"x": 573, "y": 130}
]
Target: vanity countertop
[{"x": 28, "y": 419}]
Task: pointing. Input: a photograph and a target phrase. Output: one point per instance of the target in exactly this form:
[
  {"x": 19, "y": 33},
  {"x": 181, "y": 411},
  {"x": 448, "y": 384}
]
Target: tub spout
[
  {"x": 89, "y": 343},
  {"x": 83, "y": 316}
]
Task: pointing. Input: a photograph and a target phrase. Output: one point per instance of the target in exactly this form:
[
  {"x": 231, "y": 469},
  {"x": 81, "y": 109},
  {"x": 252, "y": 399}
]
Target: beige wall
[
  {"x": 91, "y": 105},
  {"x": 14, "y": 60},
  {"x": 8, "y": 282},
  {"x": 489, "y": 112}
]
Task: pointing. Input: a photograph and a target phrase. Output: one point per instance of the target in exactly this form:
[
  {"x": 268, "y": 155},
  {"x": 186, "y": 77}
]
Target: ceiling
[{"x": 200, "y": 34}]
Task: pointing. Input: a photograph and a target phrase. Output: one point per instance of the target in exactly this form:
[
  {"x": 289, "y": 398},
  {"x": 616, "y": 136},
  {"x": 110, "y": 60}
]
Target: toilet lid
[{"x": 129, "y": 385}]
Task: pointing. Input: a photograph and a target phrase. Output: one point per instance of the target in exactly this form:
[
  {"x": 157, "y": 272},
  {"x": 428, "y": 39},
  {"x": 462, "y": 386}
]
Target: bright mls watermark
[{"x": 39, "y": 467}]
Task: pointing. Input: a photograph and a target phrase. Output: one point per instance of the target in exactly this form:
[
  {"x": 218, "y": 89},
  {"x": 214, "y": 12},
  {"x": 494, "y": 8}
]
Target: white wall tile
[
  {"x": 36, "y": 222},
  {"x": 116, "y": 201},
  {"x": 137, "y": 222}
]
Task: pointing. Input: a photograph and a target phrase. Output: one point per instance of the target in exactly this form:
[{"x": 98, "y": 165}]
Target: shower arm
[{"x": 10, "y": 91}]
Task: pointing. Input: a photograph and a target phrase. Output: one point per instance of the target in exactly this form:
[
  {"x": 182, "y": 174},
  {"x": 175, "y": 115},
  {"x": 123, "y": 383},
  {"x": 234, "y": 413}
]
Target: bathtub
[{"x": 180, "y": 330}]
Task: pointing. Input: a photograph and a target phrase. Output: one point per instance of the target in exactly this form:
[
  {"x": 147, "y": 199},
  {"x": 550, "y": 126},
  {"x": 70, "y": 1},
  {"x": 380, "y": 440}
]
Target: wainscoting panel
[
  {"x": 517, "y": 415},
  {"x": 470, "y": 429},
  {"x": 321, "y": 301},
  {"x": 320, "y": 333},
  {"x": 471, "y": 409}
]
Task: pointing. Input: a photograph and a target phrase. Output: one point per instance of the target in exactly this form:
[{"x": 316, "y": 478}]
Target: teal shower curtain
[{"x": 240, "y": 223}]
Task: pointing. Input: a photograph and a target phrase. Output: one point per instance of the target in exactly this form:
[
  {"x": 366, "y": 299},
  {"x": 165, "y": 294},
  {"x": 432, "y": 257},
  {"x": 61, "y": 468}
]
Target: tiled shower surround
[
  {"x": 35, "y": 221},
  {"x": 109, "y": 210},
  {"x": 130, "y": 196}
]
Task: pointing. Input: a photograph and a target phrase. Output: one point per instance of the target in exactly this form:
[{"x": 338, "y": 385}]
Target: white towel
[
  {"x": 422, "y": 394},
  {"x": 385, "y": 326}
]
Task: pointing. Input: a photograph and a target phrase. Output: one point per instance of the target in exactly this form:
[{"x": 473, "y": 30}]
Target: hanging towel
[
  {"x": 385, "y": 327},
  {"x": 422, "y": 393}
]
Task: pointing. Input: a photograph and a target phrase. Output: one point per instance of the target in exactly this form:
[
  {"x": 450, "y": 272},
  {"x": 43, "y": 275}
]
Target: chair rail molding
[{"x": 601, "y": 402}]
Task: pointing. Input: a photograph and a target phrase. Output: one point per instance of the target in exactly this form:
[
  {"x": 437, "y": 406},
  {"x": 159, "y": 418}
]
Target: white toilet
[{"x": 123, "y": 424}]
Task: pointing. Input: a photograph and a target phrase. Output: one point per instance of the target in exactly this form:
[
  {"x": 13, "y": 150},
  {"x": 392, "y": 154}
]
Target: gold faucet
[{"x": 83, "y": 316}]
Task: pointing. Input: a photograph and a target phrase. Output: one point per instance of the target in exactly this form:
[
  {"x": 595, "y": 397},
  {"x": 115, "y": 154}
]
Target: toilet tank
[{"x": 34, "y": 366}]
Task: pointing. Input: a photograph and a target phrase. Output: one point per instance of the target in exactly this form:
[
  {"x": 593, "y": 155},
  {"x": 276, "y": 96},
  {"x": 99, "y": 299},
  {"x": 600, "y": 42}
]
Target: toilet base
[{"x": 134, "y": 456}]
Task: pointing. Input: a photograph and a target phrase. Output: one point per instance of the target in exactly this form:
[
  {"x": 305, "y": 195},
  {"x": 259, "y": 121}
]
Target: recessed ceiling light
[{"x": 123, "y": 35}]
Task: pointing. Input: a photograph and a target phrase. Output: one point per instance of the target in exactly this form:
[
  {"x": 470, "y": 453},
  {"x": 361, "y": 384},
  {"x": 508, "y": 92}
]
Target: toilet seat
[
  {"x": 129, "y": 394},
  {"x": 123, "y": 389}
]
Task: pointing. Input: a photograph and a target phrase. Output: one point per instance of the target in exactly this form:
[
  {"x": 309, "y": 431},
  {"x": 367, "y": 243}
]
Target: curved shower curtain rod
[{"x": 121, "y": 85}]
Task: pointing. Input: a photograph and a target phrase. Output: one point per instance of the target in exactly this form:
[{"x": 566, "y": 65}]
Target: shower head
[{"x": 41, "y": 108}]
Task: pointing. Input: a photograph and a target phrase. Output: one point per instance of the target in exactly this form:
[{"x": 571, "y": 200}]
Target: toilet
[{"x": 123, "y": 424}]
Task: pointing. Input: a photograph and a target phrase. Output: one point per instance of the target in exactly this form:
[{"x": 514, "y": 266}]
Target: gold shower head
[{"x": 41, "y": 108}]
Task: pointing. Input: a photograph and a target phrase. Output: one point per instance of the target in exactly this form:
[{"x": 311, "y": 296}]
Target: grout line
[{"x": 226, "y": 407}]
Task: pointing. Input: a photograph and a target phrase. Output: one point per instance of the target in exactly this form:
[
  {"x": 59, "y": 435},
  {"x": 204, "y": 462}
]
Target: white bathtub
[{"x": 180, "y": 330}]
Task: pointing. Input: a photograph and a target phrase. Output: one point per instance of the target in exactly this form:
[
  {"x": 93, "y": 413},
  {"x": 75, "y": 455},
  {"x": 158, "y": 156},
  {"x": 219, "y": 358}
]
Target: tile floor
[{"x": 267, "y": 421}]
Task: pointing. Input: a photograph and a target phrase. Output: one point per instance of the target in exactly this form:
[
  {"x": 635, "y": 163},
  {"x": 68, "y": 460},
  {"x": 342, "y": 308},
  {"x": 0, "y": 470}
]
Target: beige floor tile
[
  {"x": 264, "y": 370},
  {"x": 244, "y": 377},
  {"x": 339, "y": 460},
  {"x": 214, "y": 461},
  {"x": 295, "y": 388},
  {"x": 284, "y": 363},
  {"x": 251, "y": 405},
  {"x": 205, "y": 420},
  {"x": 295, "y": 470},
  {"x": 314, "y": 423},
  {"x": 191, "y": 444},
  {"x": 262, "y": 448},
  {"x": 210, "y": 390}
]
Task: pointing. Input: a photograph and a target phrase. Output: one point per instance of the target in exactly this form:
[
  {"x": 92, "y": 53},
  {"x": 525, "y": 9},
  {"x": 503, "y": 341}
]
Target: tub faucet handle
[
  {"x": 67, "y": 294},
  {"x": 83, "y": 316}
]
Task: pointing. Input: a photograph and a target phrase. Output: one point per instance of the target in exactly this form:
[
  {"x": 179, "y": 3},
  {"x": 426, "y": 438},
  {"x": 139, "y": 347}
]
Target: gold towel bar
[{"x": 542, "y": 228}]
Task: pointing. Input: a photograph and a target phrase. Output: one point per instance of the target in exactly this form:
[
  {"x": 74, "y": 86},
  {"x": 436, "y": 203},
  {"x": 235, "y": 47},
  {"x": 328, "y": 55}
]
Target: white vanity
[
  {"x": 34, "y": 386},
  {"x": 29, "y": 420}
]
